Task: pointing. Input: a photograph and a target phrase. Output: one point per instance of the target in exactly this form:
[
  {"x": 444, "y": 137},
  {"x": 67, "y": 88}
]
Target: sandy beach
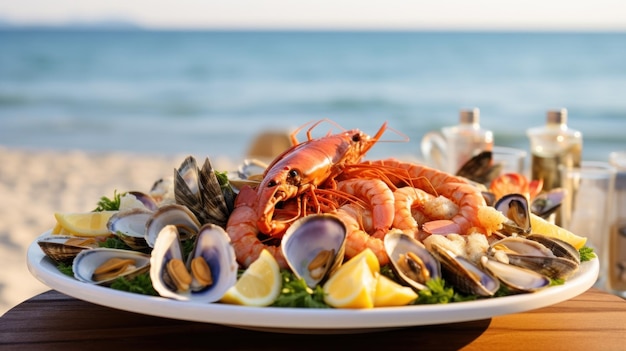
[{"x": 36, "y": 184}]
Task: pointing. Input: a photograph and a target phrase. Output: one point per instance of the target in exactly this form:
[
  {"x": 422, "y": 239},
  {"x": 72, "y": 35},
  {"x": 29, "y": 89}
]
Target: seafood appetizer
[{"x": 314, "y": 211}]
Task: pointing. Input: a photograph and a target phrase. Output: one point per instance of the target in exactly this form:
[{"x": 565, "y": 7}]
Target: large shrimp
[
  {"x": 243, "y": 232},
  {"x": 304, "y": 167},
  {"x": 466, "y": 196},
  {"x": 415, "y": 207},
  {"x": 358, "y": 221},
  {"x": 377, "y": 195}
]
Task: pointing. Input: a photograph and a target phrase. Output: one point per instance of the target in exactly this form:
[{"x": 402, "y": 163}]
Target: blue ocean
[{"x": 209, "y": 92}]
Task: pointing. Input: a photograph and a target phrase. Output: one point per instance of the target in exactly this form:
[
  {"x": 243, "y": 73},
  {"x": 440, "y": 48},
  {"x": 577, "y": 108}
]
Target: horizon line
[
  {"x": 130, "y": 27},
  {"x": 126, "y": 24}
]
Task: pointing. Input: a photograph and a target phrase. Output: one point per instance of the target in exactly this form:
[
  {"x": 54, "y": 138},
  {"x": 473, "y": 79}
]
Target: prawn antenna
[{"x": 311, "y": 125}]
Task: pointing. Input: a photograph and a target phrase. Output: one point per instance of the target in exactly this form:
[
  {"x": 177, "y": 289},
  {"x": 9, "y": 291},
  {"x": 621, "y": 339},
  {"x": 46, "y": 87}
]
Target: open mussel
[
  {"x": 130, "y": 226},
  {"x": 200, "y": 190},
  {"x": 464, "y": 275},
  {"x": 138, "y": 199},
  {"x": 516, "y": 279},
  {"x": 480, "y": 168},
  {"x": 515, "y": 208},
  {"x": 533, "y": 255},
  {"x": 410, "y": 260},
  {"x": 178, "y": 215},
  {"x": 103, "y": 265},
  {"x": 314, "y": 247},
  {"x": 203, "y": 275},
  {"x": 547, "y": 202},
  {"x": 249, "y": 173},
  {"x": 559, "y": 248}
]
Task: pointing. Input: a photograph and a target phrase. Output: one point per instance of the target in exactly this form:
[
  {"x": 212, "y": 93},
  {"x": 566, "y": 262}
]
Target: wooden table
[{"x": 594, "y": 320}]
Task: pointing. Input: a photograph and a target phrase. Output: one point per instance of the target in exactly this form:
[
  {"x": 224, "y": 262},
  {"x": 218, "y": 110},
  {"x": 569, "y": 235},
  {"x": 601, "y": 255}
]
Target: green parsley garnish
[
  {"x": 65, "y": 269},
  {"x": 114, "y": 242},
  {"x": 586, "y": 254},
  {"x": 106, "y": 204},
  {"x": 295, "y": 293},
  {"x": 438, "y": 291},
  {"x": 141, "y": 284}
]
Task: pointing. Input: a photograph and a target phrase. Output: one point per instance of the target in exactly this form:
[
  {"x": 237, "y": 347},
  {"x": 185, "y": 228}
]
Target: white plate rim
[{"x": 305, "y": 319}]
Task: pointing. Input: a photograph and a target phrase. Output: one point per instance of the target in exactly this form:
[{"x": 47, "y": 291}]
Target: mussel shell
[
  {"x": 87, "y": 261},
  {"x": 521, "y": 246},
  {"x": 465, "y": 275},
  {"x": 306, "y": 238},
  {"x": 559, "y": 248},
  {"x": 200, "y": 191},
  {"x": 251, "y": 167},
  {"x": 553, "y": 267},
  {"x": 213, "y": 244},
  {"x": 250, "y": 173},
  {"x": 480, "y": 168},
  {"x": 515, "y": 208},
  {"x": 546, "y": 203},
  {"x": 146, "y": 199},
  {"x": 516, "y": 279},
  {"x": 57, "y": 248},
  {"x": 130, "y": 226},
  {"x": 397, "y": 244},
  {"x": 535, "y": 256},
  {"x": 180, "y": 216}
]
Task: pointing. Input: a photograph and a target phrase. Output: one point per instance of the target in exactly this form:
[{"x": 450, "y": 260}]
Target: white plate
[{"x": 304, "y": 320}]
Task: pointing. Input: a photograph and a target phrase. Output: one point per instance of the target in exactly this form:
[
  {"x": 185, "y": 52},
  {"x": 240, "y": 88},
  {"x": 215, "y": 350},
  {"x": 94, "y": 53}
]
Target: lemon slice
[
  {"x": 390, "y": 293},
  {"x": 541, "y": 226},
  {"x": 84, "y": 223},
  {"x": 259, "y": 285},
  {"x": 352, "y": 285},
  {"x": 370, "y": 258}
]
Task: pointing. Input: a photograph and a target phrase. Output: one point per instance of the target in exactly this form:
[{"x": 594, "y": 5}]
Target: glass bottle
[
  {"x": 616, "y": 254},
  {"x": 552, "y": 146},
  {"x": 451, "y": 147}
]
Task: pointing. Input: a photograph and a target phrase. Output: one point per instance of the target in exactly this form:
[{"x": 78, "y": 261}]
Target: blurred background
[{"x": 202, "y": 77}]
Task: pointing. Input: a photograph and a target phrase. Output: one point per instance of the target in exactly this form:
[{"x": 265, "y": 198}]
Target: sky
[{"x": 327, "y": 14}]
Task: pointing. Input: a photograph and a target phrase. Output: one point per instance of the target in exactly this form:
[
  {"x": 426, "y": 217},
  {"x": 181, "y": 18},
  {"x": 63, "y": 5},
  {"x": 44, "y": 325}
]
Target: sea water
[{"x": 210, "y": 92}]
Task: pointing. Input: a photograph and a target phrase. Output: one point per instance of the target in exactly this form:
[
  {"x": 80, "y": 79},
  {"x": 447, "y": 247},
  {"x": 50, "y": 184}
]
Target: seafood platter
[{"x": 346, "y": 244}]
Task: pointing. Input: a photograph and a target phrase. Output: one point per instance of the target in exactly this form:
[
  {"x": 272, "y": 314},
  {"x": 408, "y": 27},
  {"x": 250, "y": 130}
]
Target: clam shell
[
  {"x": 306, "y": 238},
  {"x": 146, "y": 200},
  {"x": 249, "y": 173},
  {"x": 178, "y": 215},
  {"x": 212, "y": 244},
  {"x": 558, "y": 247},
  {"x": 87, "y": 261},
  {"x": 57, "y": 248},
  {"x": 398, "y": 244},
  {"x": 535, "y": 256},
  {"x": 516, "y": 279},
  {"x": 130, "y": 226},
  {"x": 465, "y": 275}
]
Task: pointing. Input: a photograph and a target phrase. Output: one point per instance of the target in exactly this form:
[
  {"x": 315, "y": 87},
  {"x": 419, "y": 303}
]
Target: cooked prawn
[
  {"x": 358, "y": 221},
  {"x": 304, "y": 167},
  {"x": 243, "y": 232},
  {"x": 438, "y": 183},
  {"x": 377, "y": 195}
]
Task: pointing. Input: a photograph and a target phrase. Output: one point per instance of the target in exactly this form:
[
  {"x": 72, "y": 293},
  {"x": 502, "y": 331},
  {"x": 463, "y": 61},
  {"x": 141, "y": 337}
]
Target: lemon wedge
[
  {"x": 351, "y": 286},
  {"x": 83, "y": 224},
  {"x": 370, "y": 259},
  {"x": 541, "y": 226},
  {"x": 259, "y": 285},
  {"x": 390, "y": 293}
]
